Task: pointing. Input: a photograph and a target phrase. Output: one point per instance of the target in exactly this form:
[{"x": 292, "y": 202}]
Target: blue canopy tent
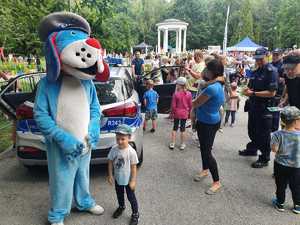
[
  {"x": 246, "y": 45},
  {"x": 143, "y": 47}
]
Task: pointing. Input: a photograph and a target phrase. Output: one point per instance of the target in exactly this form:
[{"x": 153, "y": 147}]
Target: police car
[{"x": 119, "y": 104}]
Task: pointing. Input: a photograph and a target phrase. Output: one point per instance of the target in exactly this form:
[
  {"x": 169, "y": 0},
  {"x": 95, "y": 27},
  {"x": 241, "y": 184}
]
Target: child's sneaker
[
  {"x": 278, "y": 206},
  {"x": 152, "y": 130},
  {"x": 172, "y": 146},
  {"x": 134, "y": 219},
  {"x": 182, "y": 147},
  {"x": 119, "y": 211},
  {"x": 296, "y": 209}
]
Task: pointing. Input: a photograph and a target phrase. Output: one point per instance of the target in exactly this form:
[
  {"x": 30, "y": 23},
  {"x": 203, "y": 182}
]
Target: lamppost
[
  {"x": 69, "y": 5},
  {"x": 275, "y": 44}
]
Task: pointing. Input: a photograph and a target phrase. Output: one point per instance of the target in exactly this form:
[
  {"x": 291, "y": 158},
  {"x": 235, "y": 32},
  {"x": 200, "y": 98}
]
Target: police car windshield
[{"x": 111, "y": 91}]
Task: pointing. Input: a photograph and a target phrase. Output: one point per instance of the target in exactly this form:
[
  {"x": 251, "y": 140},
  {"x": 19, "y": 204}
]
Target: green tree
[
  {"x": 288, "y": 24},
  {"x": 245, "y": 23}
]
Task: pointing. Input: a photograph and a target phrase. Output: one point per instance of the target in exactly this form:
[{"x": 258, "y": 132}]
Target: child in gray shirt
[
  {"x": 286, "y": 145},
  {"x": 122, "y": 169}
]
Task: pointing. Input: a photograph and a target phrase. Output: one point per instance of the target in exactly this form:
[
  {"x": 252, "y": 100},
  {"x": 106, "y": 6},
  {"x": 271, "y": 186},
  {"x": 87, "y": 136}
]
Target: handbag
[{"x": 247, "y": 105}]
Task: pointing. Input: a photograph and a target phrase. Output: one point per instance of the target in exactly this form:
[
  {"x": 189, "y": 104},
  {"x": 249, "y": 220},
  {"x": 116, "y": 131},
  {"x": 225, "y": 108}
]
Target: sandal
[
  {"x": 213, "y": 191},
  {"x": 198, "y": 177}
]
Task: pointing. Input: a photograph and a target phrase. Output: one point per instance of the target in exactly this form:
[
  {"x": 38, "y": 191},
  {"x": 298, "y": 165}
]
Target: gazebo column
[
  {"x": 166, "y": 41},
  {"x": 180, "y": 40},
  {"x": 184, "y": 40},
  {"x": 177, "y": 40},
  {"x": 158, "y": 41}
]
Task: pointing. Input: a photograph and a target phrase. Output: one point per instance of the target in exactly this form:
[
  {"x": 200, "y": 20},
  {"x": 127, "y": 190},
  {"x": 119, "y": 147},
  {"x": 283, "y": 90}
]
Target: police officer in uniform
[
  {"x": 277, "y": 62},
  {"x": 261, "y": 91}
]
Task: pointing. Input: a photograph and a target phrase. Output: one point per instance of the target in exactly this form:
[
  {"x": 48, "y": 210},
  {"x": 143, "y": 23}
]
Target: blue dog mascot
[{"x": 67, "y": 110}]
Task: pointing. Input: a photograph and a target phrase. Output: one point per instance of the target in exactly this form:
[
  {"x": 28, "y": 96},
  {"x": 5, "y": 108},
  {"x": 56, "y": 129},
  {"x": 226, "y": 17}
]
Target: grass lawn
[{"x": 5, "y": 133}]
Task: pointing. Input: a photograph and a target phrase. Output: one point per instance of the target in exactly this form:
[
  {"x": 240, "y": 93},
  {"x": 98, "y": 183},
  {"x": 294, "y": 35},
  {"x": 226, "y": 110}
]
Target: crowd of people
[
  {"x": 207, "y": 91},
  {"x": 209, "y": 87}
]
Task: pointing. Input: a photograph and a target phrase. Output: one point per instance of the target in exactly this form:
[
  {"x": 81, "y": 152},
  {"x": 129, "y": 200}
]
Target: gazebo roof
[{"x": 172, "y": 21}]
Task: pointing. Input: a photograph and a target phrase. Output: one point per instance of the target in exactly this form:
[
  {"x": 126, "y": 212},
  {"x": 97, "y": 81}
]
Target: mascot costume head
[
  {"x": 69, "y": 48},
  {"x": 67, "y": 110}
]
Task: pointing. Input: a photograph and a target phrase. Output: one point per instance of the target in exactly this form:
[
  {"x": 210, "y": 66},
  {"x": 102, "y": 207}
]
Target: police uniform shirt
[
  {"x": 279, "y": 66},
  {"x": 263, "y": 79}
]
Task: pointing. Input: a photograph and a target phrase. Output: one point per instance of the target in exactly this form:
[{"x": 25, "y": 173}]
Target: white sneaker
[
  {"x": 61, "y": 223},
  {"x": 172, "y": 146},
  {"x": 96, "y": 210},
  {"x": 182, "y": 147}
]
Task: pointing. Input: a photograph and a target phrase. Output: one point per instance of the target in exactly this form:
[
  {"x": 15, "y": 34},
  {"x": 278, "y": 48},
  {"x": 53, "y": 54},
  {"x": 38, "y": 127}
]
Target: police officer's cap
[
  {"x": 291, "y": 59},
  {"x": 260, "y": 53},
  {"x": 277, "y": 51},
  {"x": 62, "y": 21}
]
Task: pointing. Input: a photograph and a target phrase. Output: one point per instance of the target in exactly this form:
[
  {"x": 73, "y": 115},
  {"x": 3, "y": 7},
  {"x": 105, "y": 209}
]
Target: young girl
[
  {"x": 286, "y": 145},
  {"x": 232, "y": 104},
  {"x": 122, "y": 170},
  {"x": 181, "y": 107}
]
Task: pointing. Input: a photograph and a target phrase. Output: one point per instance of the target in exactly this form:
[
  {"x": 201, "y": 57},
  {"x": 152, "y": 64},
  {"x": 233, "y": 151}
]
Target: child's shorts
[
  {"x": 182, "y": 123},
  {"x": 151, "y": 115}
]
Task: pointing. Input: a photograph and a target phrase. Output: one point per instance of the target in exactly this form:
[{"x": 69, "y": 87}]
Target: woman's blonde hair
[{"x": 199, "y": 54}]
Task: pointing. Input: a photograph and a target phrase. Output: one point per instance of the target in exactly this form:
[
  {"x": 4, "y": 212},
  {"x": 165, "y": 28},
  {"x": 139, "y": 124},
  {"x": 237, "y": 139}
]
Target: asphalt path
[{"x": 166, "y": 192}]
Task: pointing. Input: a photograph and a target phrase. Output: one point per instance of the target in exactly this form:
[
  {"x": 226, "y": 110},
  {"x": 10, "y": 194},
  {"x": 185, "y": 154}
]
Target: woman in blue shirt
[{"x": 207, "y": 106}]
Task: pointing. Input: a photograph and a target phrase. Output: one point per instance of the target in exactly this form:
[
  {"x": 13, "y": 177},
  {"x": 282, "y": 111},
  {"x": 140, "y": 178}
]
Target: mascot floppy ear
[{"x": 52, "y": 58}]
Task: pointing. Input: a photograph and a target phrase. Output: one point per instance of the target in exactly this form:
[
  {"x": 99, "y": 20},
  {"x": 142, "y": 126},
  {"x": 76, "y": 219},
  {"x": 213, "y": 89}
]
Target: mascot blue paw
[
  {"x": 93, "y": 141},
  {"x": 69, "y": 144},
  {"x": 94, "y": 133}
]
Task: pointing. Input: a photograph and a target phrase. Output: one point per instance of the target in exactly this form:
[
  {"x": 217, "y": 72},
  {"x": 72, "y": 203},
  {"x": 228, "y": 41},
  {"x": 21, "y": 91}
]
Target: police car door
[{"x": 165, "y": 90}]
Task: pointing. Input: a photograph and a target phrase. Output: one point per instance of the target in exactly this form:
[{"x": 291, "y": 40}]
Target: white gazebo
[{"x": 172, "y": 25}]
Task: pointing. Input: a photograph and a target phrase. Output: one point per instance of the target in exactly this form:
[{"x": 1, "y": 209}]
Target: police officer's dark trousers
[
  {"x": 251, "y": 147},
  {"x": 259, "y": 128}
]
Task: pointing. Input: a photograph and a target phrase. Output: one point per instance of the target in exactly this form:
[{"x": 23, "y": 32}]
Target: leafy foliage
[{"x": 120, "y": 24}]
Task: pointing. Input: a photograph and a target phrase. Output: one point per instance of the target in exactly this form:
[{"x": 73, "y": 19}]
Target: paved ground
[{"x": 166, "y": 192}]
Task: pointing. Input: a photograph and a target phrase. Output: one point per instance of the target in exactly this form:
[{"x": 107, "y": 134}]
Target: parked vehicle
[
  {"x": 164, "y": 90},
  {"x": 120, "y": 100},
  {"x": 119, "y": 104}
]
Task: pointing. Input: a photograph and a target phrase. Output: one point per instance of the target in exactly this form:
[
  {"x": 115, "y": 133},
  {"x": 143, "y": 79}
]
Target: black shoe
[
  {"x": 247, "y": 153},
  {"x": 144, "y": 129},
  {"x": 119, "y": 211},
  {"x": 134, "y": 219},
  {"x": 152, "y": 130},
  {"x": 277, "y": 205},
  {"x": 259, "y": 164}
]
